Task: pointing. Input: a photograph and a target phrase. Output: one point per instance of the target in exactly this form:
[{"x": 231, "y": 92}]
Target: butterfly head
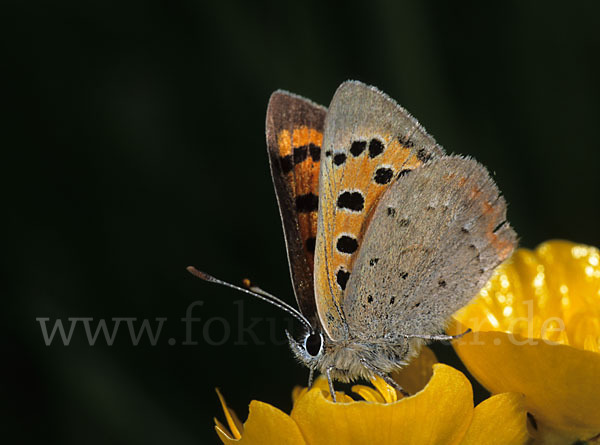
[{"x": 310, "y": 349}]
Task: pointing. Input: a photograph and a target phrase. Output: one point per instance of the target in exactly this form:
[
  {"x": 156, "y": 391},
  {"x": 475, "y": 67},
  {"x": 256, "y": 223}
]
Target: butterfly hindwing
[
  {"x": 294, "y": 129},
  {"x": 369, "y": 142},
  {"x": 434, "y": 240}
]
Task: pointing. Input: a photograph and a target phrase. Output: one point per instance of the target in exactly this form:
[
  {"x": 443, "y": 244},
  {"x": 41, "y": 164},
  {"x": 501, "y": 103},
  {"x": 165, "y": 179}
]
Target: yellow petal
[
  {"x": 440, "y": 414},
  {"x": 561, "y": 383},
  {"x": 235, "y": 426},
  {"x": 412, "y": 378},
  {"x": 322, "y": 384},
  {"x": 501, "y": 420},
  {"x": 369, "y": 394},
  {"x": 387, "y": 392},
  {"x": 415, "y": 376},
  {"x": 297, "y": 392},
  {"x": 536, "y": 330},
  {"x": 266, "y": 425},
  {"x": 551, "y": 293}
]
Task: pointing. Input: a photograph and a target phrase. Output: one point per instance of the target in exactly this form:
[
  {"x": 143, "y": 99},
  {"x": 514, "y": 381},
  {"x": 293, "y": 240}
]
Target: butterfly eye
[{"x": 313, "y": 343}]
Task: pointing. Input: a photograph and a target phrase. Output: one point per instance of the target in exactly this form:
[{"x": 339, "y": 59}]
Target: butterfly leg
[
  {"x": 387, "y": 379},
  {"x": 331, "y": 389},
  {"x": 310, "y": 378},
  {"x": 390, "y": 381}
]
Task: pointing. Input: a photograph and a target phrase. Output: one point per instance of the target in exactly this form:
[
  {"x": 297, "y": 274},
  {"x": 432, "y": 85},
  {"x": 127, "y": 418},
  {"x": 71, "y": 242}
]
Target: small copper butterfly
[{"x": 387, "y": 236}]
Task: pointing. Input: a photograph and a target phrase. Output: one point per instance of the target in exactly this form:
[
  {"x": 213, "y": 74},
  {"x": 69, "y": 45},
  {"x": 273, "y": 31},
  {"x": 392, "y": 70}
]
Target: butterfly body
[
  {"x": 351, "y": 358},
  {"x": 387, "y": 236}
]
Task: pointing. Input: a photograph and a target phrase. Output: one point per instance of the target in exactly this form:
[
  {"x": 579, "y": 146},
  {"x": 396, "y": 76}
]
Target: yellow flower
[
  {"x": 440, "y": 413},
  {"x": 537, "y": 332}
]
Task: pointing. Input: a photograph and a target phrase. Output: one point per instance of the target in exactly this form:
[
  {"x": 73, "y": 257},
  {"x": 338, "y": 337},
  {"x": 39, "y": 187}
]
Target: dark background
[{"x": 133, "y": 146}]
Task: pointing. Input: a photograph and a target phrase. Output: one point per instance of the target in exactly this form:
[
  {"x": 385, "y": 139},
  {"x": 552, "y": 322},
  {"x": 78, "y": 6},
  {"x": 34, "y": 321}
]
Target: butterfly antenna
[{"x": 254, "y": 291}]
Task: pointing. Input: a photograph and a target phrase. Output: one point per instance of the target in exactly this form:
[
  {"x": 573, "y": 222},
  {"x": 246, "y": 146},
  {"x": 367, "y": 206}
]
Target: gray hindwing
[{"x": 433, "y": 242}]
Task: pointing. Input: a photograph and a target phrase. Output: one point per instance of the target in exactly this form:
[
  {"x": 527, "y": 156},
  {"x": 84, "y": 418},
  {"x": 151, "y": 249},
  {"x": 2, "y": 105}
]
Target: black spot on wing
[
  {"x": 358, "y": 147},
  {"x": 300, "y": 154},
  {"x": 375, "y": 148},
  {"x": 423, "y": 155},
  {"x": 342, "y": 277},
  {"x": 404, "y": 172},
  {"x": 287, "y": 164},
  {"x": 373, "y": 261},
  {"x": 403, "y": 222},
  {"x": 383, "y": 175},
  {"x": 404, "y": 275},
  {"x": 353, "y": 201},
  {"x": 405, "y": 141},
  {"x": 315, "y": 152},
  {"x": 499, "y": 226},
  {"x": 442, "y": 283},
  {"x": 307, "y": 203},
  {"x": 346, "y": 244},
  {"x": 391, "y": 211},
  {"x": 339, "y": 158}
]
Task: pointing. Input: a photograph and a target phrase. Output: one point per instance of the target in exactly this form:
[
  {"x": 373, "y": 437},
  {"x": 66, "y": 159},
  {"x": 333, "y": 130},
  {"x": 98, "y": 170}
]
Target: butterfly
[{"x": 386, "y": 235}]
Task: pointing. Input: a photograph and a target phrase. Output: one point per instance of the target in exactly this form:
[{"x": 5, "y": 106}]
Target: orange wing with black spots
[
  {"x": 369, "y": 142},
  {"x": 294, "y": 139}
]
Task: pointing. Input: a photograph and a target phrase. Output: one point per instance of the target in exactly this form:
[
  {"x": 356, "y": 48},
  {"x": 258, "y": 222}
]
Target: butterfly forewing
[
  {"x": 434, "y": 240},
  {"x": 369, "y": 142},
  {"x": 294, "y": 137}
]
